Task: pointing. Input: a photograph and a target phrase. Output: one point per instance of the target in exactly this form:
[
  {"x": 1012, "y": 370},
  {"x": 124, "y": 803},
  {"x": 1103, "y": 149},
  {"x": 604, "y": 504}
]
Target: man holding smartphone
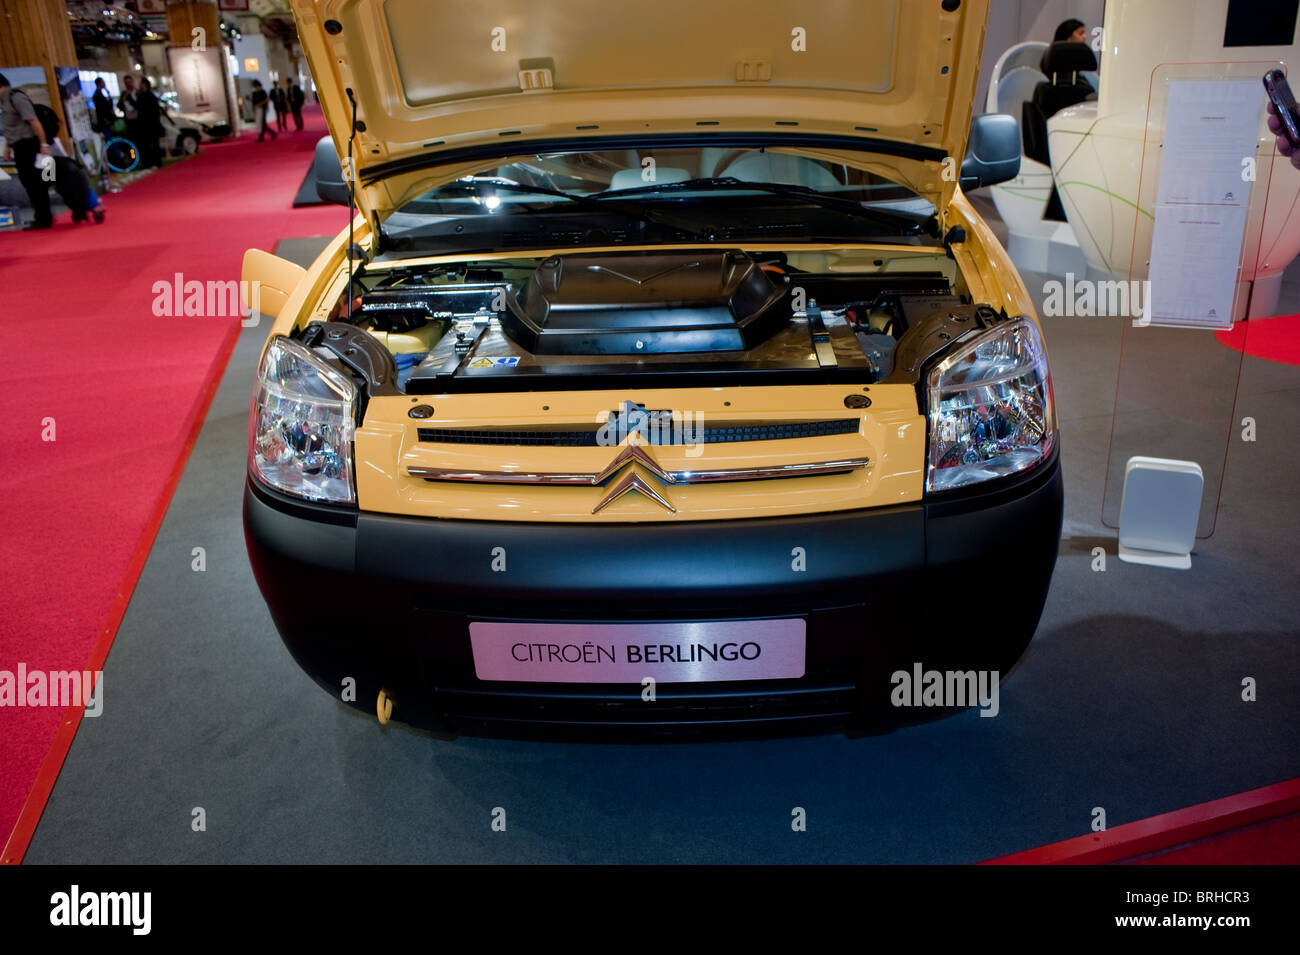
[
  {"x": 1283, "y": 144},
  {"x": 1283, "y": 117}
]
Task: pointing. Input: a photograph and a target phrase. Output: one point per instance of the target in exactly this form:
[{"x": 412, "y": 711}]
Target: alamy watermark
[
  {"x": 1088, "y": 298},
  {"x": 685, "y": 428},
  {"x": 61, "y": 688},
  {"x": 946, "y": 688},
  {"x": 131, "y": 910},
  {"x": 179, "y": 297}
]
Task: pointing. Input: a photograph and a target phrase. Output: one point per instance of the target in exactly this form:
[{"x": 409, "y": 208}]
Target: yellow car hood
[{"x": 440, "y": 85}]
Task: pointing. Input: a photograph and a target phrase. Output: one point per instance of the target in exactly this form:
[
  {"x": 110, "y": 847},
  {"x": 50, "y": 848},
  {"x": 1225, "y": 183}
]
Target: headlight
[
  {"x": 301, "y": 424},
  {"x": 990, "y": 408}
]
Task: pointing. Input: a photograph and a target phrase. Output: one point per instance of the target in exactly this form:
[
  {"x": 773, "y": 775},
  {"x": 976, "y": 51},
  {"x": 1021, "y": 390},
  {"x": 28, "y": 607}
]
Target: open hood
[{"x": 440, "y": 85}]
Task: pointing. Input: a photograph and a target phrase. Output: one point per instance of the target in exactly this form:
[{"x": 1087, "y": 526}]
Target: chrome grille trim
[
  {"x": 802, "y": 469},
  {"x": 810, "y": 469},
  {"x": 499, "y": 477}
]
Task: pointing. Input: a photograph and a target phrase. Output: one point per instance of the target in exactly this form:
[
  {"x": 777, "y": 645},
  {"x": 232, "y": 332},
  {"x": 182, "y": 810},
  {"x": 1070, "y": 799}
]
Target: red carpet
[
  {"x": 1276, "y": 338},
  {"x": 126, "y": 392}
]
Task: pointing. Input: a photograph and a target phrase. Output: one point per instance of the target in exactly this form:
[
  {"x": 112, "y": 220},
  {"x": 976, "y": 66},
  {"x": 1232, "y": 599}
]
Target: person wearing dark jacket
[
  {"x": 74, "y": 186},
  {"x": 149, "y": 111},
  {"x": 296, "y": 99},
  {"x": 105, "y": 115}
]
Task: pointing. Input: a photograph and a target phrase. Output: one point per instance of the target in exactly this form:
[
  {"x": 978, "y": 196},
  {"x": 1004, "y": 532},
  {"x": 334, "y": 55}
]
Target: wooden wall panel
[
  {"x": 183, "y": 17},
  {"x": 36, "y": 33}
]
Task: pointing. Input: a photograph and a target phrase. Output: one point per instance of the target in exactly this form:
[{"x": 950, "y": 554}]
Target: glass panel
[{"x": 1198, "y": 225}]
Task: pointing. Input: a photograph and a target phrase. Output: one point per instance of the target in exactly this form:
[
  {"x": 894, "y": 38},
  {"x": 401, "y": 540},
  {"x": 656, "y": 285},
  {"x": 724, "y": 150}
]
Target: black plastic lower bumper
[{"x": 951, "y": 584}]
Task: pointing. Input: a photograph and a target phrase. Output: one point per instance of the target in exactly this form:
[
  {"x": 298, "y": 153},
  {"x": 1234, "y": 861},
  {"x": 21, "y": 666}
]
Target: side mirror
[
  {"x": 328, "y": 173},
  {"x": 992, "y": 153},
  {"x": 269, "y": 280}
]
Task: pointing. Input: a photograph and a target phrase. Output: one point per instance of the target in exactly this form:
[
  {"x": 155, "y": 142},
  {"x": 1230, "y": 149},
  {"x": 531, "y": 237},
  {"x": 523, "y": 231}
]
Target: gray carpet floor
[{"x": 1129, "y": 698}]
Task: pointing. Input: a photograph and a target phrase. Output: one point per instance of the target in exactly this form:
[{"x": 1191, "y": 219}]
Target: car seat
[{"x": 1062, "y": 64}]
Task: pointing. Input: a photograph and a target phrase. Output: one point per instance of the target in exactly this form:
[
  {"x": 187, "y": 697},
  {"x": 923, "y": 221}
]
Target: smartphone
[{"x": 1279, "y": 92}]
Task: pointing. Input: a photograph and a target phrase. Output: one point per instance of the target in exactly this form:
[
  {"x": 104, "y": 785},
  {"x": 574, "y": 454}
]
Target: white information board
[{"x": 1203, "y": 201}]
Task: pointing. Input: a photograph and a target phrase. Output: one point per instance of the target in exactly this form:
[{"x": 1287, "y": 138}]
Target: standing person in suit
[
  {"x": 102, "y": 103},
  {"x": 260, "y": 101},
  {"x": 296, "y": 99},
  {"x": 127, "y": 104},
  {"x": 281, "y": 103},
  {"x": 149, "y": 113}
]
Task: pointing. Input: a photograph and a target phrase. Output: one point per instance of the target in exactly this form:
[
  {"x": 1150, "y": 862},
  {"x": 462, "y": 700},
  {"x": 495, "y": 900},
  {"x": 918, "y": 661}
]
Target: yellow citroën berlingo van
[{"x": 663, "y": 380}]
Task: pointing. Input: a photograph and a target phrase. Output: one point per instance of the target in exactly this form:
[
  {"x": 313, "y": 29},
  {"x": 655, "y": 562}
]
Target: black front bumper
[{"x": 952, "y": 584}]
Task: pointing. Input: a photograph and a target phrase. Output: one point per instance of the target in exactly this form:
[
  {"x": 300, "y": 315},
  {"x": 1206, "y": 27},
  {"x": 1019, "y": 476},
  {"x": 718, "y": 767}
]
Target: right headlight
[
  {"x": 991, "y": 411},
  {"x": 300, "y": 432}
]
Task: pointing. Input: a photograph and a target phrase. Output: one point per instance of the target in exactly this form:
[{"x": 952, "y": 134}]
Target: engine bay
[{"x": 681, "y": 317}]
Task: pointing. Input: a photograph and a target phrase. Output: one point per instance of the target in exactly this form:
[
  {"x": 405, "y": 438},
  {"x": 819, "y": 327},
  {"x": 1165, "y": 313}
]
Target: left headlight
[
  {"x": 301, "y": 425},
  {"x": 990, "y": 407}
]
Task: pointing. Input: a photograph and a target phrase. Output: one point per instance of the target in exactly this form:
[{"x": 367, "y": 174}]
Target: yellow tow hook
[{"x": 384, "y": 707}]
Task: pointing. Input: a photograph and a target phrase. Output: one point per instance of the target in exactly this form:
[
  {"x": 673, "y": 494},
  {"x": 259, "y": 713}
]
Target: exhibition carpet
[
  {"x": 1276, "y": 338},
  {"x": 103, "y": 401}
]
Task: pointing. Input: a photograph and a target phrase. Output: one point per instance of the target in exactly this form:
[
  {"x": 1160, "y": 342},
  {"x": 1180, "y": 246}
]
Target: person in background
[
  {"x": 1071, "y": 31},
  {"x": 72, "y": 182},
  {"x": 280, "y": 100},
  {"x": 126, "y": 103},
  {"x": 259, "y": 100},
  {"x": 149, "y": 111},
  {"x": 102, "y": 103},
  {"x": 296, "y": 99},
  {"x": 24, "y": 141}
]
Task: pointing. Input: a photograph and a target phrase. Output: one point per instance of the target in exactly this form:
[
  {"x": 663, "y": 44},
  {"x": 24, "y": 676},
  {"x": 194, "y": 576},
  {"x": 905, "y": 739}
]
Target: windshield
[{"x": 660, "y": 195}]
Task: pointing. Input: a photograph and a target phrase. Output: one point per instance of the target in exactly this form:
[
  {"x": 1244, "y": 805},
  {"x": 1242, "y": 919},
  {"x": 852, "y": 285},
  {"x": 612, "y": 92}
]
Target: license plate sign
[{"x": 629, "y": 652}]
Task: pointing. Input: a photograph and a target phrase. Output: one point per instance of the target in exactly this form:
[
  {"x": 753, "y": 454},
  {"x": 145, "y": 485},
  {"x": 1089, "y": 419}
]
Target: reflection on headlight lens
[{"x": 990, "y": 408}]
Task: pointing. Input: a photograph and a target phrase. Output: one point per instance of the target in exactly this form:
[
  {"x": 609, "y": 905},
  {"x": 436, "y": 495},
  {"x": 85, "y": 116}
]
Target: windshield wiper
[
  {"x": 890, "y": 218},
  {"x": 653, "y": 216}
]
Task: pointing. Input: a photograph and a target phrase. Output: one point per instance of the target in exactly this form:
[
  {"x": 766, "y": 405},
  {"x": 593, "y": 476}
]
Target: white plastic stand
[{"x": 1159, "y": 511}]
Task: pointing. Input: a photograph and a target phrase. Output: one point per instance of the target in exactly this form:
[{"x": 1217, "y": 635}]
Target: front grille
[
  {"x": 556, "y": 439},
  {"x": 653, "y": 436},
  {"x": 776, "y": 432}
]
